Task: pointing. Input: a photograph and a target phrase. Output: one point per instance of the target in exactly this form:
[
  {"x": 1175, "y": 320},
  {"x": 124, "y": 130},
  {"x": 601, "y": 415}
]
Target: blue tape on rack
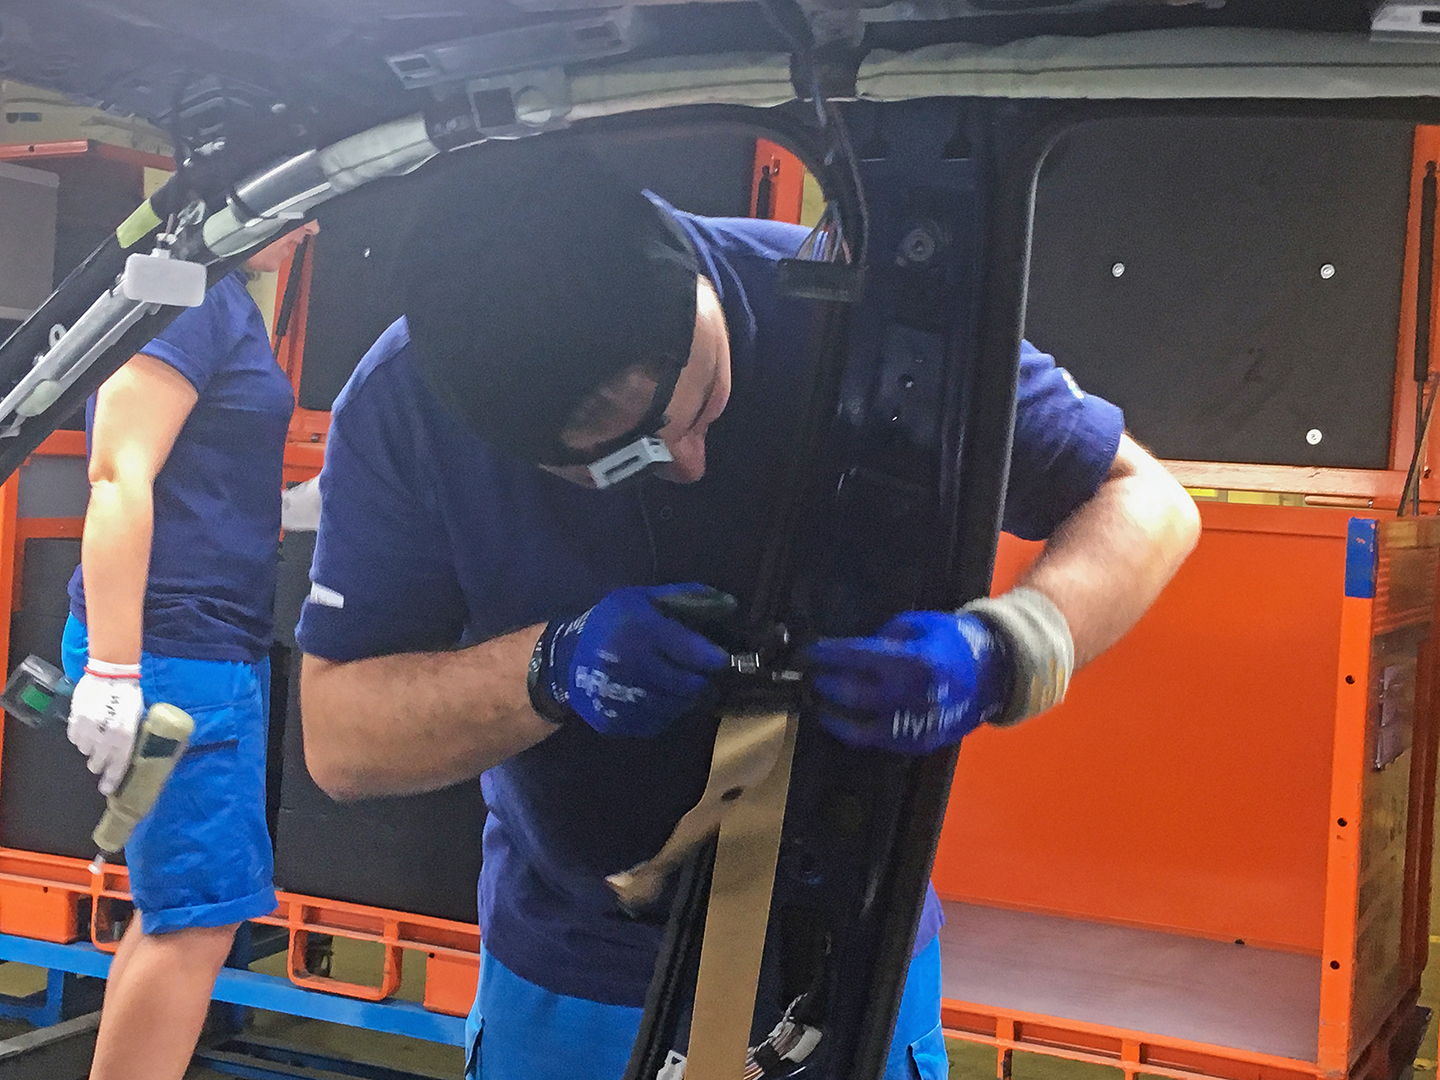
[
  {"x": 1360, "y": 559},
  {"x": 259, "y": 991}
]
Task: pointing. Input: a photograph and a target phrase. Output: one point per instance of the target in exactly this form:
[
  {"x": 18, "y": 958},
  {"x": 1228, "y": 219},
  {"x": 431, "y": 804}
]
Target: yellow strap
[{"x": 137, "y": 225}]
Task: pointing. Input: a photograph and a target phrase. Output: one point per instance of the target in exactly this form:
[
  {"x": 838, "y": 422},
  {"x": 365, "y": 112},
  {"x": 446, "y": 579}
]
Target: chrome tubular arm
[
  {"x": 289, "y": 190},
  {"x": 70, "y": 353}
]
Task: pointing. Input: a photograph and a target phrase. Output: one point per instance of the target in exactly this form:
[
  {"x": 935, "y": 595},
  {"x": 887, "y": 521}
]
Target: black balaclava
[{"x": 532, "y": 277}]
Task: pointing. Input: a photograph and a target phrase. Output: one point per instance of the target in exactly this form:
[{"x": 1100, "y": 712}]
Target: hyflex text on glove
[
  {"x": 926, "y": 679},
  {"x": 624, "y": 667}
]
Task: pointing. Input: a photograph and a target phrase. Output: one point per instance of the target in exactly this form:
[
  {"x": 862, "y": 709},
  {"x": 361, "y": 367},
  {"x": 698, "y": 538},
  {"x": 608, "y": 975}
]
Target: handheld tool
[
  {"x": 756, "y": 660},
  {"x": 38, "y": 695}
]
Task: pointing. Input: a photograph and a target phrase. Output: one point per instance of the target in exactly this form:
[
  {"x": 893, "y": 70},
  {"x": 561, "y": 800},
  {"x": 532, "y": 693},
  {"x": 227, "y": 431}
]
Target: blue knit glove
[
  {"x": 926, "y": 680},
  {"x": 624, "y": 667}
]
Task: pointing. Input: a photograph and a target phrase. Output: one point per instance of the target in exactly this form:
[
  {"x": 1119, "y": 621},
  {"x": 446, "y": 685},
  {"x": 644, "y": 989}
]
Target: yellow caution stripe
[{"x": 137, "y": 225}]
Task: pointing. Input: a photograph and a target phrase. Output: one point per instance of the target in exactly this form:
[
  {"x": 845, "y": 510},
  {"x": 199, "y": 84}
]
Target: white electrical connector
[{"x": 673, "y": 1069}]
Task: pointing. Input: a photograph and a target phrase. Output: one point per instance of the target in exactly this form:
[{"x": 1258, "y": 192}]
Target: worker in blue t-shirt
[
  {"x": 483, "y": 604},
  {"x": 173, "y": 602}
]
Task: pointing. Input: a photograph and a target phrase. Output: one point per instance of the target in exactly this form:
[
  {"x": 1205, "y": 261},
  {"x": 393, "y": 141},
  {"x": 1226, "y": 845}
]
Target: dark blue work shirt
[
  {"x": 428, "y": 539},
  {"x": 211, "y": 590}
]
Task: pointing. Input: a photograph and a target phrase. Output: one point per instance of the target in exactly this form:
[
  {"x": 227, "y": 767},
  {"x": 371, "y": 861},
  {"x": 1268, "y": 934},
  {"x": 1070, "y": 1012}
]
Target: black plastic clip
[{"x": 807, "y": 279}]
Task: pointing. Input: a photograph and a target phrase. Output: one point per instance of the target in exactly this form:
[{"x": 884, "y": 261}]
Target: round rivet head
[
  {"x": 533, "y": 108},
  {"x": 1313, "y": 436},
  {"x": 1118, "y": 270},
  {"x": 1327, "y": 271}
]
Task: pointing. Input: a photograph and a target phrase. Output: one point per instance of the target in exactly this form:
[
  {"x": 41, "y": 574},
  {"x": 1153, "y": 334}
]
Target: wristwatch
[{"x": 546, "y": 707}]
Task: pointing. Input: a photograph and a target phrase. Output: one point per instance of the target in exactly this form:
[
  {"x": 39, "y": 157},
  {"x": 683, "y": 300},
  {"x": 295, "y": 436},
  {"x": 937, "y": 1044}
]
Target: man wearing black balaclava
[{"x": 491, "y": 569}]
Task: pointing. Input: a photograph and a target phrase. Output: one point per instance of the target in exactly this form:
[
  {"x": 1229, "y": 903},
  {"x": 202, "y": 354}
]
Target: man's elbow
[
  {"x": 1185, "y": 520},
  {"x": 1174, "y": 523},
  {"x": 325, "y": 748},
  {"x": 1169, "y": 515},
  {"x": 333, "y": 775}
]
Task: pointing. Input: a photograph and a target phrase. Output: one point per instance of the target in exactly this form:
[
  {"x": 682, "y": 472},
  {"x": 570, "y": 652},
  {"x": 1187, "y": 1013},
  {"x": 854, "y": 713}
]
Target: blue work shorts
[
  {"x": 517, "y": 1029},
  {"x": 202, "y": 857}
]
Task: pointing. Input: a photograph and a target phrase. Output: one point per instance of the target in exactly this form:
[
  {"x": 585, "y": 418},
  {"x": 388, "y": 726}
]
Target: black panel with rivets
[{"x": 1233, "y": 284}]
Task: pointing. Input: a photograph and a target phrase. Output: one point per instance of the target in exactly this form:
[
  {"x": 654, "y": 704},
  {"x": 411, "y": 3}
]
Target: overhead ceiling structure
[{"x": 317, "y": 69}]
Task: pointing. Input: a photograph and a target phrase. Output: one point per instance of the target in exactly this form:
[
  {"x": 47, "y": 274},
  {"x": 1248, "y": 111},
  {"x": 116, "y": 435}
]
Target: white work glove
[
  {"x": 105, "y": 713},
  {"x": 300, "y": 506}
]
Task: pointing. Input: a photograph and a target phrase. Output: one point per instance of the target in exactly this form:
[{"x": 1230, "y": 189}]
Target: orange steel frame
[
  {"x": 1093, "y": 860},
  {"x": 786, "y": 175},
  {"x": 71, "y": 148},
  {"x": 1090, "y": 850},
  {"x": 46, "y": 896}
]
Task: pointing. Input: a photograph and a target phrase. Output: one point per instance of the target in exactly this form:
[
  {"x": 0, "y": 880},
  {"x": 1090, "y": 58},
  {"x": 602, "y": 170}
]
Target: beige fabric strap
[
  {"x": 745, "y": 800},
  {"x": 746, "y": 748},
  {"x": 736, "y": 920}
]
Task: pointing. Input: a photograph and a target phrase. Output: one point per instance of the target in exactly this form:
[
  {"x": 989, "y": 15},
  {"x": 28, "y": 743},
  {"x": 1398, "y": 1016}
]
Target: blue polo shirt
[
  {"x": 429, "y": 538},
  {"x": 210, "y": 594}
]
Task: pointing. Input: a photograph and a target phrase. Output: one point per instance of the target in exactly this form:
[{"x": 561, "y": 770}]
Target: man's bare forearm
[
  {"x": 413, "y": 722},
  {"x": 115, "y": 555},
  {"x": 1108, "y": 562}
]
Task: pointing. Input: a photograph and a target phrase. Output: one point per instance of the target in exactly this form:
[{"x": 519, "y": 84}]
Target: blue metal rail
[{"x": 258, "y": 991}]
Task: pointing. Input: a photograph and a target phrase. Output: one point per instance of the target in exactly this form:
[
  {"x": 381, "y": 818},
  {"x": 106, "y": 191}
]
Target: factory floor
[
  {"x": 359, "y": 962},
  {"x": 967, "y": 1060}
]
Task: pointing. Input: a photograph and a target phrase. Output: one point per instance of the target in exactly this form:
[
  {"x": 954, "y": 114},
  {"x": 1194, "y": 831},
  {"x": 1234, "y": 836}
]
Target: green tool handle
[{"x": 163, "y": 736}]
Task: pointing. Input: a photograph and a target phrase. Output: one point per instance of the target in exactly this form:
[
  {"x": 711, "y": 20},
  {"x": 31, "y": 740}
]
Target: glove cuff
[
  {"x": 102, "y": 670},
  {"x": 1040, "y": 646},
  {"x": 537, "y": 677}
]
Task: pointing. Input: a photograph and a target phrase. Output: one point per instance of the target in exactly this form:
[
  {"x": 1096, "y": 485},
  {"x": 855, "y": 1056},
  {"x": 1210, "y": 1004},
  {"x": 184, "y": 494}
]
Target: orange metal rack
[
  {"x": 1194, "y": 868},
  {"x": 1146, "y": 878}
]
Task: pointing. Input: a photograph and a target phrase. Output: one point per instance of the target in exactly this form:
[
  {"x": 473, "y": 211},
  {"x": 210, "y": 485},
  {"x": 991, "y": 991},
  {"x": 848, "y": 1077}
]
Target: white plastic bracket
[
  {"x": 159, "y": 279},
  {"x": 1406, "y": 20}
]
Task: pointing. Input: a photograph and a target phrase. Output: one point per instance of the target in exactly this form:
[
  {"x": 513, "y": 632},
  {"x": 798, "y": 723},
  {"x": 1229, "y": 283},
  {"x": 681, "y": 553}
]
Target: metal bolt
[
  {"x": 1118, "y": 270},
  {"x": 1313, "y": 436},
  {"x": 1326, "y": 273},
  {"x": 919, "y": 245}
]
